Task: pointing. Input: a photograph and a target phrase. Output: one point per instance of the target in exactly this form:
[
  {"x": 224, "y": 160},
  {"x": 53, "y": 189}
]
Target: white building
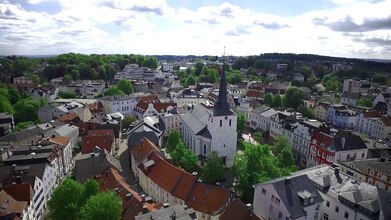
[
  {"x": 167, "y": 67},
  {"x": 94, "y": 89},
  {"x": 350, "y": 98},
  {"x": 260, "y": 118},
  {"x": 208, "y": 127},
  {"x": 287, "y": 198},
  {"x": 341, "y": 117},
  {"x": 22, "y": 80},
  {"x": 172, "y": 121},
  {"x": 123, "y": 104}
]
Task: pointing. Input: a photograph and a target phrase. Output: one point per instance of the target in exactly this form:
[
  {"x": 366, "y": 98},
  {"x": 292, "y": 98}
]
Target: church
[{"x": 209, "y": 127}]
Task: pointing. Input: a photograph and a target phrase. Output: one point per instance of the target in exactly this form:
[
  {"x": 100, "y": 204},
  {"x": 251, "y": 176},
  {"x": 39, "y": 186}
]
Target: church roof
[
  {"x": 205, "y": 132},
  {"x": 197, "y": 118},
  {"x": 221, "y": 106}
]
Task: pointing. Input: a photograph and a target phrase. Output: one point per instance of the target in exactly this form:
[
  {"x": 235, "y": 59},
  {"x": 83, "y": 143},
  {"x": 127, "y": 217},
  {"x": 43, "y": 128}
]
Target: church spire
[{"x": 221, "y": 106}]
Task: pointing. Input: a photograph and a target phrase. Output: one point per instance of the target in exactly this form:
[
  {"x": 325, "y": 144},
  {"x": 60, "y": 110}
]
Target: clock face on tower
[{"x": 226, "y": 117}]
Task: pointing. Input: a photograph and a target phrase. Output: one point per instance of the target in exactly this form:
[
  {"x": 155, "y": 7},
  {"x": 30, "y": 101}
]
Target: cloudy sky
[{"x": 347, "y": 28}]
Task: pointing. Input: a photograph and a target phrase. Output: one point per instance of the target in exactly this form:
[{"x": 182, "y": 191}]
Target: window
[
  {"x": 280, "y": 215},
  {"x": 229, "y": 122},
  {"x": 273, "y": 198},
  {"x": 271, "y": 209},
  {"x": 263, "y": 191},
  {"x": 325, "y": 216},
  {"x": 278, "y": 200},
  {"x": 204, "y": 149},
  {"x": 336, "y": 209},
  {"x": 328, "y": 204},
  {"x": 346, "y": 215},
  {"x": 221, "y": 123}
]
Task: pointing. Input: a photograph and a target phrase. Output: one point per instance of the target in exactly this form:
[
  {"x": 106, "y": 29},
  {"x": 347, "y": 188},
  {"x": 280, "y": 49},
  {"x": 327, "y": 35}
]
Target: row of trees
[
  {"x": 73, "y": 200},
  {"x": 211, "y": 172},
  {"x": 123, "y": 87},
  {"x": 261, "y": 163}
]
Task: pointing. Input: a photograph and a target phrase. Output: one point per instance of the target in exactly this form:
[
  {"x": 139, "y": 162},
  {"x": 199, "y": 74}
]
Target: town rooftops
[
  {"x": 102, "y": 138},
  {"x": 237, "y": 210},
  {"x": 351, "y": 95},
  {"x": 177, "y": 212},
  {"x": 68, "y": 117},
  {"x": 9, "y": 206},
  {"x": 141, "y": 150},
  {"x": 118, "y": 98},
  {"x": 372, "y": 114},
  {"x": 346, "y": 140}
]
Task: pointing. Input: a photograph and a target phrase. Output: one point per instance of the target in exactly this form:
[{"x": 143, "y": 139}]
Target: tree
[
  {"x": 213, "y": 170},
  {"x": 26, "y": 110},
  {"x": 191, "y": 80},
  {"x": 35, "y": 78},
  {"x": 22, "y": 125},
  {"x": 365, "y": 102},
  {"x": 277, "y": 102},
  {"x": 279, "y": 144},
  {"x": 67, "y": 95},
  {"x": 129, "y": 119},
  {"x": 213, "y": 76},
  {"x": 67, "y": 78},
  {"x": 293, "y": 97},
  {"x": 5, "y": 105},
  {"x": 258, "y": 137},
  {"x": 65, "y": 200},
  {"x": 240, "y": 125},
  {"x": 75, "y": 74},
  {"x": 91, "y": 188},
  {"x": 113, "y": 91},
  {"x": 13, "y": 94},
  {"x": 234, "y": 77},
  {"x": 105, "y": 205},
  {"x": 305, "y": 70},
  {"x": 306, "y": 112},
  {"x": 205, "y": 71},
  {"x": 184, "y": 158},
  {"x": 125, "y": 86},
  {"x": 174, "y": 137},
  {"x": 198, "y": 68},
  {"x": 268, "y": 99}
]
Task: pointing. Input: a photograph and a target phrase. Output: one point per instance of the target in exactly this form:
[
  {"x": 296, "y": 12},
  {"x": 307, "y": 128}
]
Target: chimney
[
  {"x": 145, "y": 209},
  {"x": 173, "y": 216},
  {"x": 287, "y": 181},
  {"x": 382, "y": 159},
  {"x": 143, "y": 198},
  {"x": 18, "y": 179},
  {"x": 53, "y": 135},
  {"x": 32, "y": 143},
  {"x": 336, "y": 171},
  {"x": 166, "y": 205}
]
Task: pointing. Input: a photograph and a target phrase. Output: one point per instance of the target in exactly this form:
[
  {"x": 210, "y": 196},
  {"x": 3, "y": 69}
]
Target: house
[
  {"x": 6, "y": 123},
  {"x": 237, "y": 210},
  {"x": 166, "y": 183},
  {"x": 22, "y": 80},
  {"x": 298, "y": 77},
  {"x": 320, "y": 111},
  {"x": 90, "y": 165},
  {"x": 346, "y": 197},
  {"x": 139, "y": 152},
  {"x": 253, "y": 94},
  {"x": 350, "y": 98},
  {"x": 12, "y": 208},
  {"x": 327, "y": 149},
  {"x": 188, "y": 97},
  {"x": 48, "y": 113},
  {"x": 366, "y": 122},
  {"x": 144, "y": 109},
  {"x": 173, "y": 212},
  {"x": 167, "y": 67},
  {"x": 104, "y": 139},
  {"x": 340, "y": 116},
  {"x": 375, "y": 171},
  {"x": 358, "y": 86},
  {"x": 171, "y": 120},
  {"x": 95, "y": 88},
  {"x": 212, "y": 127},
  {"x": 123, "y": 104},
  {"x": 69, "y": 118},
  {"x": 278, "y": 122},
  {"x": 287, "y": 198},
  {"x": 133, "y": 203},
  {"x": 258, "y": 121},
  {"x": 149, "y": 128}
]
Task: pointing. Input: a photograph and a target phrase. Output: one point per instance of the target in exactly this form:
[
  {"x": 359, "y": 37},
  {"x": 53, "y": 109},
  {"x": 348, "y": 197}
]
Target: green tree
[
  {"x": 191, "y": 80},
  {"x": 129, "y": 119},
  {"x": 126, "y": 86},
  {"x": 105, "y": 205},
  {"x": 184, "y": 158},
  {"x": 67, "y": 78},
  {"x": 35, "y": 78},
  {"x": 113, "y": 91},
  {"x": 66, "y": 200},
  {"x": 213, "y": 170},
  {"x": 258, "y": 137},
  {"x": 234, "y": 77},
  {"x": 306, "y": 112},
  {"x": 205, "y": 71},
  {"x": 75, "y": 74},
  {"x": 174, "y": 137},
  {"x": 285, "y": 159},
  {"x": 240, "y": 125},
  {"x": 305, "y": 70},
  {"x": 67, "y": 95},
  {"x": 91, "y": 188},
  {"x": 198, "y": 68},
  {"x": 293, "y": 97},
  {"x": 277, "y": 102},
  {"x": 26, "y": 110},
  {"x": 13, "y": 94},
  {"x": 279, "y": 144},
  {"x": 5, "y": 105},
  {"x": 365, "y": 102},
  {"x": 22, "y": 125},
  {"x": 213, "y": 75},
  {"x": 268, "y": 99},
  {"x": 150, "y": 62}
]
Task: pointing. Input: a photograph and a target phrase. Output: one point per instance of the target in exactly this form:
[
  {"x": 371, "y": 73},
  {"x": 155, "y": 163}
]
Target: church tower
[{"x": 222, "y": 125}]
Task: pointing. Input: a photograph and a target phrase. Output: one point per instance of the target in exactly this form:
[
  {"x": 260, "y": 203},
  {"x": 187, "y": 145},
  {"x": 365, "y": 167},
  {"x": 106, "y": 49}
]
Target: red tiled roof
[
  {"x": 149, "y": 98},
  {"x": 158, "y": 106},
  {"x": 132, "y": 204},
  {"x": 68, "y": 117},
  {"x": 372, "y": 114},
  {"x": 208, "y": 198},
  {"x": 20, "y": 192},
  {"x": 322, "y": 139},
  {"x": 103, "y": 139},
  {"x": 12, "y": 206},
  {"x": 386, "y": 121},
  {"x": 253, "y": 93},
  {"x": 184, "y": 185},
  {"x": 142, "y": 150},
  {"x": 95, "y": 107},
  {"x": 237, "y": 210}
]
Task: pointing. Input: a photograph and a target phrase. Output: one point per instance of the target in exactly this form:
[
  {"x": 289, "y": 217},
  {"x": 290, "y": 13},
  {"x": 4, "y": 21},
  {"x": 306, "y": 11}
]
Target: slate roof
[
  {"x": 351, "y": 95},
  {"x": 90, "y": 167},
  {"x": 205, "y": 133},
  {"x": 180, "y": 213},
  {"x": 143, "y": 130},
  {"x": 196, "y": 119},
  {"x": 21, "y": 135},
  {"x": 352, "y": 141}
]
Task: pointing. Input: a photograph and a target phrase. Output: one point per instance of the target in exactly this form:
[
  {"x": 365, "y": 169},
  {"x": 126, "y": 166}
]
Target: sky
[{"x": 343, "y": 28}]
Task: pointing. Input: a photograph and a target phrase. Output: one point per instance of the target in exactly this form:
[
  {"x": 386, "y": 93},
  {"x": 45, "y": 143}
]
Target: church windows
[
  {"x": 221, "y": 123},
  {"x": 204, "y": 149},
  {"x": 229, "y": 122}
]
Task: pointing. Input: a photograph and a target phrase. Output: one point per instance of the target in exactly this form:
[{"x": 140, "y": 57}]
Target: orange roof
[
  {"x": 322, "y": 139},
  {"x": 158, "y": 106},
  {"x": 208, "y": 198},
  {"x": 149, "y": 98},
  {"x": 103, "y": 139},
  {"x": 132, "y": 204},
  {"x": 162, "y": 172},
  {"x": 237, "y": 210},
  {"x": 68, "y": 117},
  {"x": 254, "y": 93},
  {"x": 60, "y": 140},
  {"x": 184, "y": 185},
  {"x": 142, "y": 150},
  {"x": 101, "y": 132},
  {"x": 372, "y": 114},
  {"x": 10, "y": 205},
  {"x": 20, "y": 192},
  {"x": 95, "y": 107},
  {"x": 386, "y": 121}
]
